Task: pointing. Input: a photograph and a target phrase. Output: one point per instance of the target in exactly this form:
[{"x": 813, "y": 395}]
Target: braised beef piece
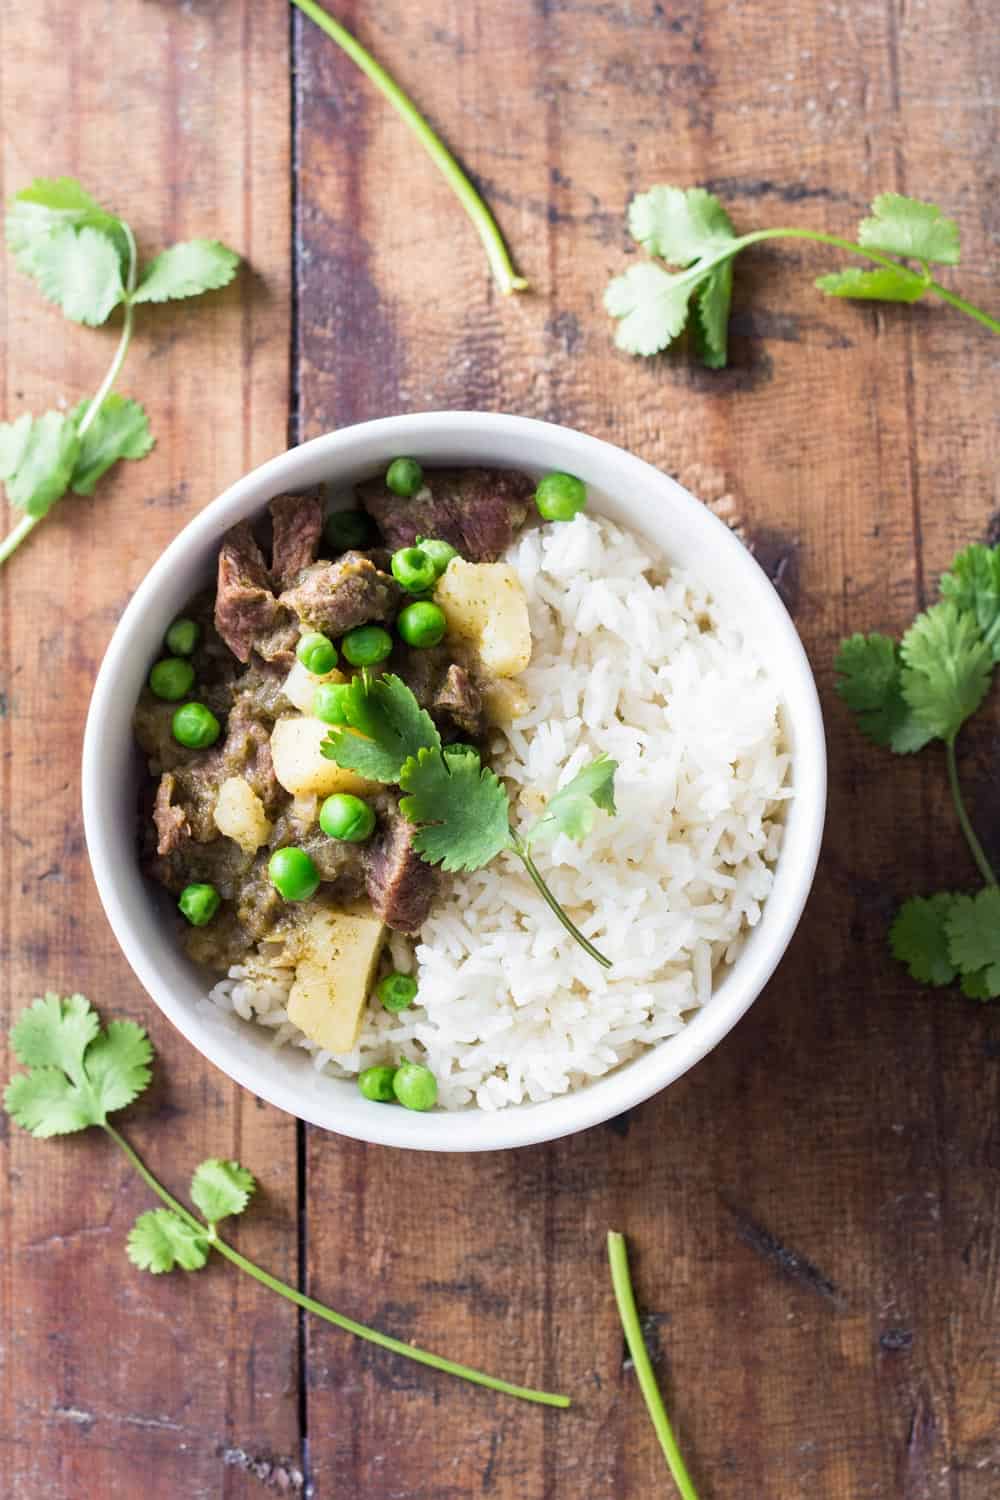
[
  {"x": 479, "y": 511},
  {"x": 337, "y": 597},
  {"x": 401, "y": 887},
  {"x": 172, "y": 826},
  {"x": 297, "y": 524},
  {"x": 459, "y": 699},
  {"x": 443, "y": 686},
  {"x": 247, "y": 615}
]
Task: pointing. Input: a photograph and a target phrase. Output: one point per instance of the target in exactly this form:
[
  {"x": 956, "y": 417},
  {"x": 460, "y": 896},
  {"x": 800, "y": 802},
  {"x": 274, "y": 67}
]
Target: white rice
[{"x": 635, "y": 659}]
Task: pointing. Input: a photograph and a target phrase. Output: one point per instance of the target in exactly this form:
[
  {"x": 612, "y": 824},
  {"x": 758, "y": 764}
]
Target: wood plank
[
  {"x": 115, "y": 1384},
  {"x": 811, "y": 1208}
]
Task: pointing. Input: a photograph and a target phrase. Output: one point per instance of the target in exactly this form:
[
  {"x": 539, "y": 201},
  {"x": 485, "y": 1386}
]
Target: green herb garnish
[
  {"x": 925, "y": 688},
  {"x": 632, "y": 1328},
  {"x": 84, "y": 259},
  {"x": 79, "y": 1073},
  {"x": 460, "y": 806},
  {"x": 689, "y": 228},
  {"x": 485, "y": 225}
]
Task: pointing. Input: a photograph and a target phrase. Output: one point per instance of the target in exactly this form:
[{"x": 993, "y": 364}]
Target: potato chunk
[
  {"x": 485, "y": 605},
  {"x": 300, "y": 686},
  {"x": 303, "y": 770},
  {"x": 239, "y": 814},
  {"x": 339, "y": 955}
]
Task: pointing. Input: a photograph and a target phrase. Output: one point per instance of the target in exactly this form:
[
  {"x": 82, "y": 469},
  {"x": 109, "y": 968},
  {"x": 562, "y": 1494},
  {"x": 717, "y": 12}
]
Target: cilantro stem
[
  {"x": 14, "y": 538},
  {"x": 27, "y": 524},
  {"x": 360, "y": 1330},
  {"x": 627, "y": 1311},
  {"x": 976, "y": 848},
  {"x": 497, "y": 253},
  {"x": 758, "y": 236},
  {"x": 553, "y": 905}
]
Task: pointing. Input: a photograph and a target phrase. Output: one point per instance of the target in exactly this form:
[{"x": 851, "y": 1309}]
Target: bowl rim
[{"x": 626, "y": 1086}]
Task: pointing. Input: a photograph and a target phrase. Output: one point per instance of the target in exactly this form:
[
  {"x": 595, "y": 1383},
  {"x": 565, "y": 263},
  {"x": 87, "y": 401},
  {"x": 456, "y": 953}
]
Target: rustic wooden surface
[{"x": 813, "y": 1212}]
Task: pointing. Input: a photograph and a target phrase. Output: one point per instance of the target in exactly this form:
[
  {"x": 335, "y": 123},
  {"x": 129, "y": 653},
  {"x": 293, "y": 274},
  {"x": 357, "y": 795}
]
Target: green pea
[
  {"x": 330, "y": 702},
  {"x": 347, "y": 818},
  {"x": 415, "y": 1086},
  {"x": 366, "y": 645},
  {"x": 182, "y": 637},
  {"x": 172, "y": 678},
  {"x": 199, "y": 903},
  {"x": 397, "y": 991},
  {"x": 560, "y": 497},
  {"x": 317, "y": 653},
  {"x": 422, "y": 624},
  {"x": 376, "y": 1083},
  {"x": 293, "y": 874},
  {"x": 404, "y": 477},
  {"x": 195, "y": 726},
  {"x": 345, "y": 529},
  {"x": 412, "y": 568},
  {"x": 439, "y": 552}
]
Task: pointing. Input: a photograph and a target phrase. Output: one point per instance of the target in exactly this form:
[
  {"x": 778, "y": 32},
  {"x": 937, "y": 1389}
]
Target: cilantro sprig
[
  {"x": 85, "y": 260},
  {"x": 689, "y": 228},
  {"x": 80, "y": 1072},
  {"x": 461, "y": 807},
  {"x": 907, "y": 694}
]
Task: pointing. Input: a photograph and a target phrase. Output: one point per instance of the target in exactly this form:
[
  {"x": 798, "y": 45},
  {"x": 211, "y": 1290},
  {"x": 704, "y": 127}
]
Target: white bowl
[{"x": 621, "y": 487}]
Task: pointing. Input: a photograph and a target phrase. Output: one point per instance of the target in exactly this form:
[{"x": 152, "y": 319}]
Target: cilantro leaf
[
  {"x": 50, "y": 204},
  {"x": 652, "y": 306},
  {"x": 885, "y": 284},
  {"x": 81, "y": 271},
  {"x": 973, "y": 585},
  {"x": 13, "y": 444},
  {"x": 394, "y": 728},
  {"x": 710, "y": 323},
  {"x": 681, "y": 225},
  {"x": 55, "y": 1033},
  {"x": 220, "y": 1188},
  {"x": 47, "y": 1103},
  {"x": 160, "y": 1240},
  {"x": 120, "y": 430},
  {"x": 187, "y": 270},
  {"x": 573, "y": 809},
  {"x": 919, "y": 939},
  {"x": 906, "y": 226},
  {"x": 48, "y": 451},
  {"x": 869, "y": 682},
  {"x": 973, "y": 927},
  {"x": 461, "y": 806},
  {"x": 946, "y": 668},
  {"x": 117, "y": 1064},
  {"x": 78, "y": 1073}
]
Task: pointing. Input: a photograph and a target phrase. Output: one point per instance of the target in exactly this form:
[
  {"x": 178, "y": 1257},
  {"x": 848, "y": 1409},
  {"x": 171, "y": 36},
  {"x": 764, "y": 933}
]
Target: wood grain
[
  {"x": 813, "y": 1212},
  {"x": 116, "y": 1385}
]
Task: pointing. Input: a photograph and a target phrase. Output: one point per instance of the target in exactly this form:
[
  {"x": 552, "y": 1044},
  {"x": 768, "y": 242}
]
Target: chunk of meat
[
  {"x": 172, "y": 826},
  {"x": 246, "y": 752},
  {"x": 247, "y": 615},
  {"x": 337, "y": 597},
  {"x": 297, "y": 522},
  {"x": 459, "y": 699},
  {"x": 449, "y": 690},
  {"x": 479, "y": 511},
  {"x": 401, "y": 887}
]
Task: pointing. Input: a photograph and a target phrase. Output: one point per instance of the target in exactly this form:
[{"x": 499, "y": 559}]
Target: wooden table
[{"x": 813, "y": 1211}]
